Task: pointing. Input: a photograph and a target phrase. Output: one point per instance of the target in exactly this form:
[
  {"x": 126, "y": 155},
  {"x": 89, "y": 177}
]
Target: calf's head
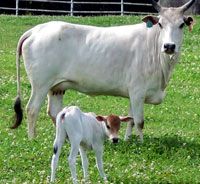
[
  {"x": 170, "y": 24},
  {"x": 112, "y": 125}
]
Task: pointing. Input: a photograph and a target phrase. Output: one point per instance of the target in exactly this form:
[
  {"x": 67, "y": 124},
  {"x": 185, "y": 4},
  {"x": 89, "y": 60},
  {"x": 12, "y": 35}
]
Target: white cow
[{"x": 133, "y": 61}]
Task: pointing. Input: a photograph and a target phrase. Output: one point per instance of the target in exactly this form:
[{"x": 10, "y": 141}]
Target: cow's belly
[
  {"x": 89, "y": 88},
  {"x": 154, "y": 97}
]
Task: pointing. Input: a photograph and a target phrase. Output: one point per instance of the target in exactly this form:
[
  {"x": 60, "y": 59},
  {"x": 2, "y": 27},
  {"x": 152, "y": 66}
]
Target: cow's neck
[
  {"x": 167, "y": 63},
  {"x": 163, "y": 62}
]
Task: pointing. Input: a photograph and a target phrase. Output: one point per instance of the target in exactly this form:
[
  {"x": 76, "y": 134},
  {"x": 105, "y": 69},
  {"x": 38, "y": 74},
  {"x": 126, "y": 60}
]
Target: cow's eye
[
  {"x": 160, "y": 25},
  {"x": 182, "y": 25}
]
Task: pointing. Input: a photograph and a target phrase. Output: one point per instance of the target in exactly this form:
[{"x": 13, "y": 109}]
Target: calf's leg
[
  {"x": 58, "y": 143},
  {"x": 72, "y": 160},
  {"x": 99, "y": 160},
  {"x": 84, "y": 162}
]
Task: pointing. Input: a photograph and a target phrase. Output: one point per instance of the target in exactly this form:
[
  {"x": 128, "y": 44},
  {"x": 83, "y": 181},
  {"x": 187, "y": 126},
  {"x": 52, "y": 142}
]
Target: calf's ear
[
  {"x": 189, "y": 21},
  {"x": 101, "y": 118},
  {"x": 125, "y": 118},
  {"x": 150, "y": 20}
]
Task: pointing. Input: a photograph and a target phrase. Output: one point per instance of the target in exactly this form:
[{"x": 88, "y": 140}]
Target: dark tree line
[
  {"x": 77, "y": 7},
  {"x": 89, "y": 7}
]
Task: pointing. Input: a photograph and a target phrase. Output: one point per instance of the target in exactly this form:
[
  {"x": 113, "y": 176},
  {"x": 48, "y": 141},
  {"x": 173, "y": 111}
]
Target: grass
[{"x": 171, "y": 149}]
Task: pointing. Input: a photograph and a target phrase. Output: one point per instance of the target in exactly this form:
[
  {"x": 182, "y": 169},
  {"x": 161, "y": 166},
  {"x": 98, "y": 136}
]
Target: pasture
[{"x": 171, "y": 149}]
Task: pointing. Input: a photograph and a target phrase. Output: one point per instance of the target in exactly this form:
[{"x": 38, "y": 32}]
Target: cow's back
[{"x": 89, "y": 59}]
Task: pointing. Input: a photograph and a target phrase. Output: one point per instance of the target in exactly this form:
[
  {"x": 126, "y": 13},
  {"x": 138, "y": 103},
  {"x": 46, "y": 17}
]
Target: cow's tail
[{"x": 17, "y": 105}]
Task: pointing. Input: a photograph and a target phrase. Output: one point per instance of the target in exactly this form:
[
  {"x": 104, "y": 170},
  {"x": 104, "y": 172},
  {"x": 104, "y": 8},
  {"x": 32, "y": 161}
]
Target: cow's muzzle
[{"x": 169, "y": 48}]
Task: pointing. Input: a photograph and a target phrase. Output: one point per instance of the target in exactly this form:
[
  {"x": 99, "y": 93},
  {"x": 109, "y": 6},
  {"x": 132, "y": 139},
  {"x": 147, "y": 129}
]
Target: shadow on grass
[{"x": 163, "y": 145}]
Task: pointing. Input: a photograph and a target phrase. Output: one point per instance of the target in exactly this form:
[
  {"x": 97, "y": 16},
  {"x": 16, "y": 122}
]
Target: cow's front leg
[
  {"x": 55, "y": 103},
  {"x": 137, "y": 107},
  {"x": 130, "y": 125}
]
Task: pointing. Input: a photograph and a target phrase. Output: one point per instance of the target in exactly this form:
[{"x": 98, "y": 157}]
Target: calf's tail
[{"x": 17, "y": 105}]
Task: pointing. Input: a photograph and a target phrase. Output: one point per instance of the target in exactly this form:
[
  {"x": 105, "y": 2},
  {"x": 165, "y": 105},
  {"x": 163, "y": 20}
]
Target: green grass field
[{"x": 171, "y": 149}]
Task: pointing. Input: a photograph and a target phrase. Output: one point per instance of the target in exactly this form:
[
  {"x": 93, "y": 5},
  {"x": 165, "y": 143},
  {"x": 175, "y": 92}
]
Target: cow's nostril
[
  {"x": 172, "y": 46},
  {"x": 165, "y": 46},
  {"x": 169, "y": 48},
  {"x": 115, "y": 140}
]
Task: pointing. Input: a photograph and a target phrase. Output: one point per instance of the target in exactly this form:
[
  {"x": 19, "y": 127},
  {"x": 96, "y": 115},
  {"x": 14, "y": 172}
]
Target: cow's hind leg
[
  {"x": 55, "y": 103},
  {"x": 33, "y": 108}
]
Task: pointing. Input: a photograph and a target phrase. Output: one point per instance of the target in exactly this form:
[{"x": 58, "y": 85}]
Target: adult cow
[{"x": 133, "y": 61}]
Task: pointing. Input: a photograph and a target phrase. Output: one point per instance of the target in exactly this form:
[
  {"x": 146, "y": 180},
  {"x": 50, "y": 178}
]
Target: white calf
[{"x": 84, "y": 131}]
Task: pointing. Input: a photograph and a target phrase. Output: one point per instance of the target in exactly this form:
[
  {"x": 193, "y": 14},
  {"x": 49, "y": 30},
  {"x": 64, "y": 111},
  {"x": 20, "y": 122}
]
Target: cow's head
[
  {"x": 111, "y": 124},
  {"x": 170, "y": 24}
]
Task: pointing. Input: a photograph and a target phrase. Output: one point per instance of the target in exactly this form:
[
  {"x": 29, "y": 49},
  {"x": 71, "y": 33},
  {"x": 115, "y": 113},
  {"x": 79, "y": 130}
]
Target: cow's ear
[
  {"x": 150, "y": 20},
  {"x": 189, "y": 21}
]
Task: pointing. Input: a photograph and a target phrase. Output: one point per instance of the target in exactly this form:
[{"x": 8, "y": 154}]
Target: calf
[{"x": 84, "y": 131}]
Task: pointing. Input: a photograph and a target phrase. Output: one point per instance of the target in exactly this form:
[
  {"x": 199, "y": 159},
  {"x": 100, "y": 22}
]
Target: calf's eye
[{"x": 108, "y": 127}]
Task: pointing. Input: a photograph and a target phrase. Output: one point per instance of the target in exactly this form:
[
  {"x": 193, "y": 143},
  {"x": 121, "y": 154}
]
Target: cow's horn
[
  {"x": 187, "y": 5},
  {"x": 156, "y": 5}
]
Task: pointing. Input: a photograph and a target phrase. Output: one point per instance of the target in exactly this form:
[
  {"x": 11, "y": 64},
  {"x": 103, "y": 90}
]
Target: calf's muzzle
[{"x": 115, "y": 140}]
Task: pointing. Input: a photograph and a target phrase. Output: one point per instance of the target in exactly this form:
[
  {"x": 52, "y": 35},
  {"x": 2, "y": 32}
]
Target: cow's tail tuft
[
  {"x": 17, "y": 105},
  {"x": 18, "y": 113}
]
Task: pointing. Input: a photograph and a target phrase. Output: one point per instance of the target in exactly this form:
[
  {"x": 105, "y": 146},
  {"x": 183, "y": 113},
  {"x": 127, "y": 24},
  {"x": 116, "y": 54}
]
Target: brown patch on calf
[
  {"x": 113, "y": 125},
  {"x": 113, "y": 121}
]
